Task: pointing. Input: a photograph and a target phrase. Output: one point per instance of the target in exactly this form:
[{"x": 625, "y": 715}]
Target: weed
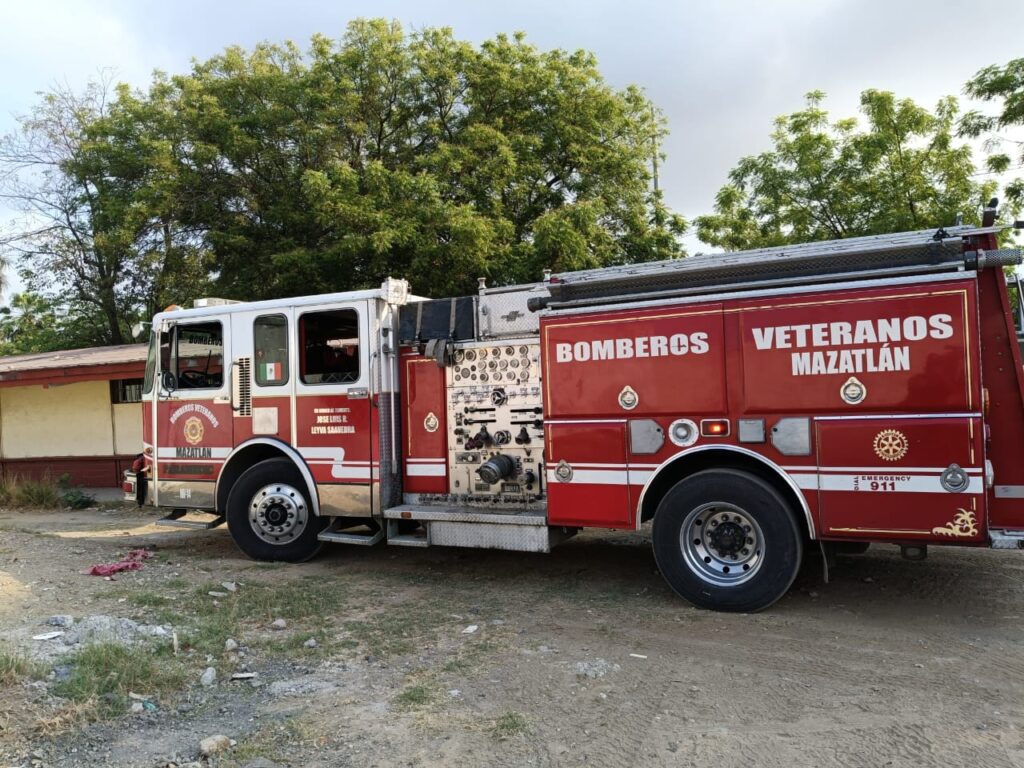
[
  {"x": 412, "y": 697},
  {"x": 508, "y": 725},
  {"x": 269, "y": 742},
  {"x": 77, "y": 498},
  {"x": 14, "y": 668},
  {"x": 106, "y": 672},
  {"x": 149, "y": 600},
  {"x": 399, "y": 630},
  {"x": 19, "y": 491}
]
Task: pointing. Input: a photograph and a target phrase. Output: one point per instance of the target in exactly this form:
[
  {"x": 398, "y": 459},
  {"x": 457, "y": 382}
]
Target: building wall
[
  {"x": 128, "y": 428},
  {"x": 68, "y": 429},
  {"x": 69, "y": 420}
]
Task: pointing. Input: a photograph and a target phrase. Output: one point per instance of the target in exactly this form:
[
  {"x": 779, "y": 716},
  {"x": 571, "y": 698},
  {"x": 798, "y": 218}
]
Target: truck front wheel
[
  {"x": 726, "y": 540},
  {"x": 269, "y": 514}
]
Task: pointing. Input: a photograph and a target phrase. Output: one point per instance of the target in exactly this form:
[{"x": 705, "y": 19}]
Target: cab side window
[
  {"x": 270, "y": 341},
  {"x": 199, "y": 356},
  {"x": 330, "y": 347}
]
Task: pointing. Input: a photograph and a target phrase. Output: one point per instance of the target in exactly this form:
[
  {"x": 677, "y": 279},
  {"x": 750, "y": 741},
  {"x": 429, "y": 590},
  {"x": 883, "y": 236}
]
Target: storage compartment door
[
  {"x": 424, "y": 425},
  {"x": 587, "y": 473},
  {"x": 911, "y": 478}
]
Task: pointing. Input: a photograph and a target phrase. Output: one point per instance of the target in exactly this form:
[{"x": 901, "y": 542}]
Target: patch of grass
[
  {"x": 270, "y": 743},
  {"x": 414, "y": 696},
  {"x": 205, "y": 622},
  {"x": 77, "y": 498},
  {"x": 25, "y": 492},
  {"x": 470, "y": 656},
  {"x": 399, "y": 630},
  {"x": 14, "y": 667},
  {"x": 148, "y": 599},
  {"x": 508, "y": 725},
  {"x": 104, "y": 673}
]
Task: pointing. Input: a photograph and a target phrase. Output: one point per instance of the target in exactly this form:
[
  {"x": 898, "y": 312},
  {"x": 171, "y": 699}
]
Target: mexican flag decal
[{"x": 271, "y": 371}]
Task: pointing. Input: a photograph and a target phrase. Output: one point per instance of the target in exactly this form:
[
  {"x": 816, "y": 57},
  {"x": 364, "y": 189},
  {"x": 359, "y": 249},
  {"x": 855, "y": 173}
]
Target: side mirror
[
  {"x": 138, "y": 329},
  {"x": 168, "y": 381}
]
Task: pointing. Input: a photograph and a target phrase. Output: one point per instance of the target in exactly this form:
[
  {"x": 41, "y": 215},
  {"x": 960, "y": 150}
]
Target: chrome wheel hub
[
  {"x": 722, "y": 544},
  {"x": 278, "y": 514}
]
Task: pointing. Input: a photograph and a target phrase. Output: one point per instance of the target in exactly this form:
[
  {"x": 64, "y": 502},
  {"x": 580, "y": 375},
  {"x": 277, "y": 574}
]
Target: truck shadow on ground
[{"x": 621, "y": 567}]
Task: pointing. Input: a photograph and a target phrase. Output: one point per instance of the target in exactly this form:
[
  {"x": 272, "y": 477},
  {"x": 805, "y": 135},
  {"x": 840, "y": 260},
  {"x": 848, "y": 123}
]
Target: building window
[
  {"x": 270, "y": 340},
  {"x": 126, "y": 391},
  {"x": 330, "y": 347}
]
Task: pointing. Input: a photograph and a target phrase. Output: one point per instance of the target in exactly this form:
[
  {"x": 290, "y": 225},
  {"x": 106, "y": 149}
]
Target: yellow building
[{"x": 75, "y": 412}]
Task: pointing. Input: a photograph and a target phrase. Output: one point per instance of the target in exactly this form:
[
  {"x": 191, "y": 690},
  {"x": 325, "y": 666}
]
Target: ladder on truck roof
[{"x": 905, "y": 253}]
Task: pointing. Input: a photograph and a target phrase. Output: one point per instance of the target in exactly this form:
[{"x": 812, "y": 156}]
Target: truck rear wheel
[
  {"x": 726, "y": 540},
  {"x": 269, "y": 514}
]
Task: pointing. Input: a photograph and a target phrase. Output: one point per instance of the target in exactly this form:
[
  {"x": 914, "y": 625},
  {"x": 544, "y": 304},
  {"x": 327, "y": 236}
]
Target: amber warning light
[{"x": 714, "y": 427}]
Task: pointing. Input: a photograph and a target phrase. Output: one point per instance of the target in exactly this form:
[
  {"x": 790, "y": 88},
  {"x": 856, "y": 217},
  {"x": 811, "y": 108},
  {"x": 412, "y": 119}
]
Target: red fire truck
[{"x": 749, "y": 406}]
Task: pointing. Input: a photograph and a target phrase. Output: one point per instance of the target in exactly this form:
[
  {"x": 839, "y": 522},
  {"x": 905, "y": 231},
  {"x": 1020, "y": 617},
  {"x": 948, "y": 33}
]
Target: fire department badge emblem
[
  {"x": 853, "y": 391},
  {"x": 891, "y": 445},
  {"x": 194, "y": 430},
  {"x": 430, "y": 423}
]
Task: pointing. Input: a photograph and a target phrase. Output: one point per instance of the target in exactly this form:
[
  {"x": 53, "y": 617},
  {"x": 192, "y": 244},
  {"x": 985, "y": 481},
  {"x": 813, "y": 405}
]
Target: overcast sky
[{"x": 720, "y": 70}]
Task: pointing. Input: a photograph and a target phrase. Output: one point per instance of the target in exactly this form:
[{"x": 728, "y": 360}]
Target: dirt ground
[{"x": 580, "y": 657}]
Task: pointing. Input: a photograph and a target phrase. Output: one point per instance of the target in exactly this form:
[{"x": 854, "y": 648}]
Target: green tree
[
  {"x": 34, "y": 323},
  {"x": 831, "y": 179},
  {"x": 91, "y": 174},
  {"x": 272, "y": 172},
  {"x": 414, "y": 155},
  {"x": 1003, "y": 86}
]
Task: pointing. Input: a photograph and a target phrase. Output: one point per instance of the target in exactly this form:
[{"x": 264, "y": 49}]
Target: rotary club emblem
[
  {"x": 891, "y": 445},
  {"x": 194, "y": 430}
]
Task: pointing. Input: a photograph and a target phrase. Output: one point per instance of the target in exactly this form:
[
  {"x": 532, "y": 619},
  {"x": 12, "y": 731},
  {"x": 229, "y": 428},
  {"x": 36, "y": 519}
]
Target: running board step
[
  {"x": 1006, "y": 539},
  {"x": 178, "y": 518},
  {"x": 428, "y": 513},
  {"x": 514, "y": 529},
  {"x": 367, "y": 539}
]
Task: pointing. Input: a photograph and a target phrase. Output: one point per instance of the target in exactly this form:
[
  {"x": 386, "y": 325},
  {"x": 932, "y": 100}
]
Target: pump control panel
[{"x": 496, "y": 424}]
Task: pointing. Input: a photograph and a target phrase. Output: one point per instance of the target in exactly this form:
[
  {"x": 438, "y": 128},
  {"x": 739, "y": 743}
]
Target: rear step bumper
[{"x": 1006, "y": 539}]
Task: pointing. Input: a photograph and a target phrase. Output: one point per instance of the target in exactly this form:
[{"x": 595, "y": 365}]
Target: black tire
[
  {"x": 744, "y": 546},
  {"x": 274, "y": 491},
  {"x": 851, "y": 547}
]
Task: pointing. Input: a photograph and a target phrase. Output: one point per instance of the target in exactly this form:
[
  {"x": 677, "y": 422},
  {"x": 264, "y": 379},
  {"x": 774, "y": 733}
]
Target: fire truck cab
[{"x": 747, "y": 406}]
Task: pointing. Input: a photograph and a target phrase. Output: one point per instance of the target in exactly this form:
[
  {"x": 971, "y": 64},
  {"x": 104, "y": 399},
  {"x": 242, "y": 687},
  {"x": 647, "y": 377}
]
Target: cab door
[
  {"x": 262, "y": 374},
  {"x": 194, "y": 429},
  {"x": 334, "y": 408}
]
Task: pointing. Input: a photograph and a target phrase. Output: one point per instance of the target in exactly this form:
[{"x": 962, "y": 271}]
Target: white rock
[
  {"x": 137, "y": 707},
  {"x": 594, "y": 669},
  {"x": 230, "y": 586},
  {"x": 209, "y": 677},
  {"x": 211, "y": 745},
  {"x": 217, "y": 594},
  {"x": 470, "y": 629},
  {"x": 230, "y": 645},
  {"x": 47, "y": 635},
  {"x": 311, "y": 643},
  {"x": 279, "y": 624}
]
